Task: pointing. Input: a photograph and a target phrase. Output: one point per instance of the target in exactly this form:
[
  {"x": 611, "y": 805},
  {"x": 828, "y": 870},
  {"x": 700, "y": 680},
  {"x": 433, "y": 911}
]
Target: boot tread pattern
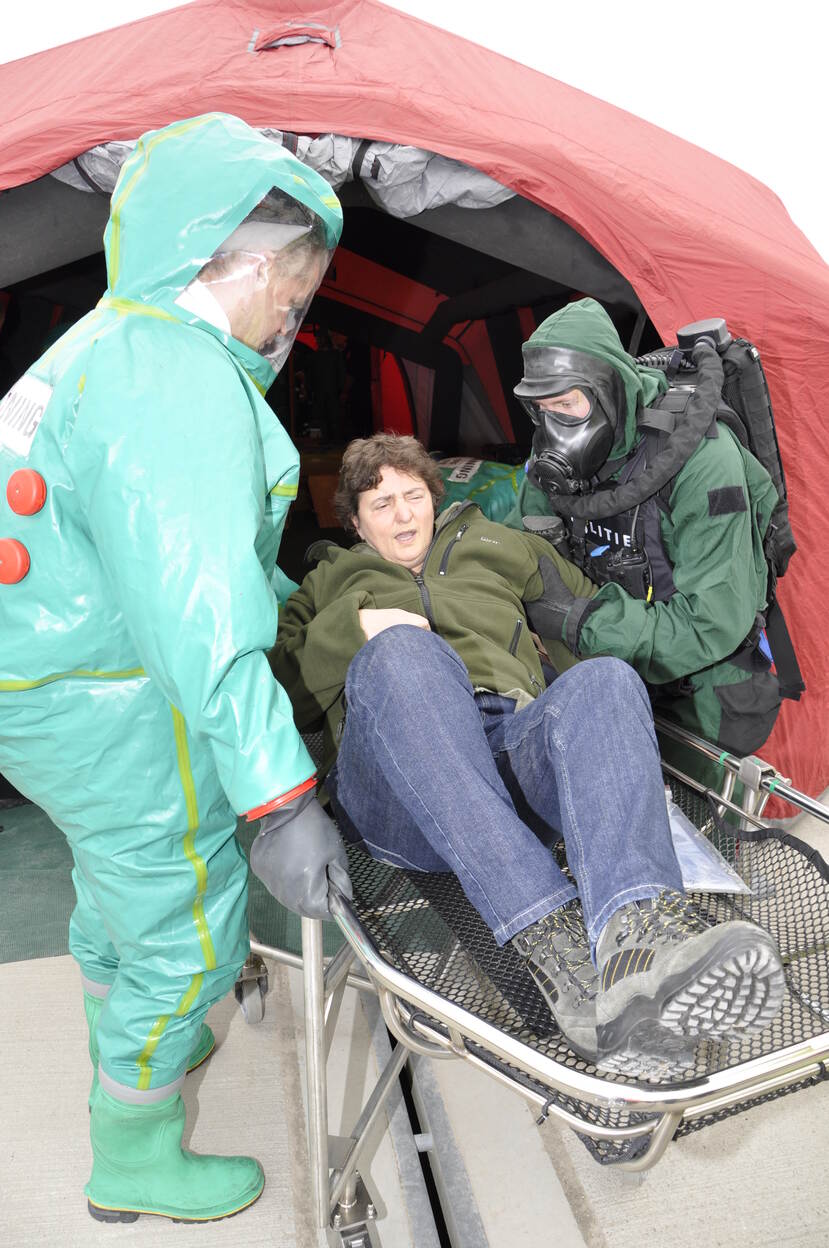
[{"x": 742, "y": 993}]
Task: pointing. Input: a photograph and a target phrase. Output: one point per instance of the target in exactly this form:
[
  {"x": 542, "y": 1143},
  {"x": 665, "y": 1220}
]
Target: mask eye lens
[{"x": 572, "y": 407}]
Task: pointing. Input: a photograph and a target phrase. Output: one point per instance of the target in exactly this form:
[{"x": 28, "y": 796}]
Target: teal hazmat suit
[
  {"x": 711, "y": 532},
  {"x": 137, "y": 705}
]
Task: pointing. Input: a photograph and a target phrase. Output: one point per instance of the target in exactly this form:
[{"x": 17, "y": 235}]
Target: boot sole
[
  {"x": 740, "y": 995},
  {"x": 102, "y": 1214},
  {"x": 651, "y": 1054},
  {"x": 734, "y": 988},
  {"x": 675, "y": 1063}
]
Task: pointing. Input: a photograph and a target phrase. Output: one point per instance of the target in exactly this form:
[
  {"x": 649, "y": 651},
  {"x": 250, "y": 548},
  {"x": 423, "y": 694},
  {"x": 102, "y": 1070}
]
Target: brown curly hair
[{"x": 364, "y": 460}]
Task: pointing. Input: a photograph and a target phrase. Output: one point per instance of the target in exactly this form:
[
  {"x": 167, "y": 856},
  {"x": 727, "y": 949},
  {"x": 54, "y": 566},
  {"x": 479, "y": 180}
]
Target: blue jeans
[{"x": 434, "y": 777}]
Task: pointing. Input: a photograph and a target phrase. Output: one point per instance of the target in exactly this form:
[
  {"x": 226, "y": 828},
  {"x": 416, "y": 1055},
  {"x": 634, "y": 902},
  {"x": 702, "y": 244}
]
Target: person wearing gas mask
[
  {"x": 145, "y": 485},
  {"x": 682, "y": 573}
]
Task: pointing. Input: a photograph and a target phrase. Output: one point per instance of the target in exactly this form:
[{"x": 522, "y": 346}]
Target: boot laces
[
  {"x": 561, "y": 937},
  {"x": 669, "y": 916}
]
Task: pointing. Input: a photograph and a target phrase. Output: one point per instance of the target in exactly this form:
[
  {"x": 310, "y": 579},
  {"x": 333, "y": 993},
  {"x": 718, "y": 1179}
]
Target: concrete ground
[
  {"x": 247, "y": 1098},
  {"x": 756, "y": 1179}
]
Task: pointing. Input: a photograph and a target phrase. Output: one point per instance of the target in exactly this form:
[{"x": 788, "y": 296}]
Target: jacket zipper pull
[{"x": 444, "y": 563}]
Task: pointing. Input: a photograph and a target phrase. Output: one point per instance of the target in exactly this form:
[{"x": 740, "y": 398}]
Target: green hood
[
  {"x": 585, "y": 326},
  {"x": 181, "y": 193}
]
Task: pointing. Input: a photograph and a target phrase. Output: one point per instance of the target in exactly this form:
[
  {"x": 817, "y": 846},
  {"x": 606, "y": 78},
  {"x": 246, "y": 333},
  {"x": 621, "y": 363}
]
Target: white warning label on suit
[
  {"x": 463, "y": 469},
  {"x": 21, "y": 412}
]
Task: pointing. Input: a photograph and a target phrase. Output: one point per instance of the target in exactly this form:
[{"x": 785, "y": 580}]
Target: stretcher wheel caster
[
  {"x": 251, "y": 988},
  {"x": 251, "y": 1000}
]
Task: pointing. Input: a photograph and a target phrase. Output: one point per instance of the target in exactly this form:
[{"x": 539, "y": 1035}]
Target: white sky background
[{"x": 749, "y": 82}]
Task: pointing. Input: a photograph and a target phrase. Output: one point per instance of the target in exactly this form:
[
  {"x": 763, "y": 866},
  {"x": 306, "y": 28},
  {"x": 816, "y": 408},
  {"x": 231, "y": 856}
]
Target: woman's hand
[{"x": 374, "y": 620}]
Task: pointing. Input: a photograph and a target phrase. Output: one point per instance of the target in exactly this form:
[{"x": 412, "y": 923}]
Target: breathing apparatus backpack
[
  {"x": 745, "y": 409},
  {"x": 712, "y": 377}
]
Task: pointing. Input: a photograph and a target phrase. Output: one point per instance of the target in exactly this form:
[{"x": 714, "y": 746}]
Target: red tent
[{"x": 692, "y": 235}]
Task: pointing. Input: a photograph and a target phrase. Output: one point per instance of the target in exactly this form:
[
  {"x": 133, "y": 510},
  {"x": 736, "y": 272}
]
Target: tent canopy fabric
[{"x": 694, "y": 236}]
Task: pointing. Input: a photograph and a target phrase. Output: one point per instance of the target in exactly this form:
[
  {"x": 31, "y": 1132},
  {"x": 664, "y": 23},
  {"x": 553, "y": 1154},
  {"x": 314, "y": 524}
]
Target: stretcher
[{"x": 447, "y": 991}]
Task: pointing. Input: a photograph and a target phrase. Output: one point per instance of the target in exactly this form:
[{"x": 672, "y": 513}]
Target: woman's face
[{"x": 397, "y": 518}]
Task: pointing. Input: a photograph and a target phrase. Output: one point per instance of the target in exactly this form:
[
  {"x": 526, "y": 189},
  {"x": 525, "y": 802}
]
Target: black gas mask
[{"x": 574, "y": 401}]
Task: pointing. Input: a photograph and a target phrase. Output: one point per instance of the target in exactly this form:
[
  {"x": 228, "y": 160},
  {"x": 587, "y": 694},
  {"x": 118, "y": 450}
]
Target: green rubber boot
[
  {"x": 92, "y": 1008},
  {"x": 140, "y": 1167}
]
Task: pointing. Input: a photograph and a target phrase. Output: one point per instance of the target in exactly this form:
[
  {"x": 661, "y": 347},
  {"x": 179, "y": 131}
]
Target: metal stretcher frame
[{"x": 424, "y": 1021}]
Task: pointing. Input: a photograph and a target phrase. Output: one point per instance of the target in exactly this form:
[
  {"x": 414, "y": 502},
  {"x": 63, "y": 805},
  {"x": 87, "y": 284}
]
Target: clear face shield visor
[
  {"x": 570, "y": 407},
  {"x": 266, "y": 273}
]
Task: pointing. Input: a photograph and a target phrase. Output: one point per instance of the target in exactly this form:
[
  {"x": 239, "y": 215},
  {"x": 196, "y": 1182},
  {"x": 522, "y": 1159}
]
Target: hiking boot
[
  {"x": 557, "y": 953},
  {"x": 667, "y": 979}
]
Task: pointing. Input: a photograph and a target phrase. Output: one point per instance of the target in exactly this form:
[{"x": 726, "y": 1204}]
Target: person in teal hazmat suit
[
  {"x": 683, "y": 576},
  {"x": 145, "y": 485}
]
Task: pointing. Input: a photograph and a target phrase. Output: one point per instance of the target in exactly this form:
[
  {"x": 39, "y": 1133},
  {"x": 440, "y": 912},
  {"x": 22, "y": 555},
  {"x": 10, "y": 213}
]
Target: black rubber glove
[
  {"x": 297, "y": 851},
  {"x": 557, "y": 615}
]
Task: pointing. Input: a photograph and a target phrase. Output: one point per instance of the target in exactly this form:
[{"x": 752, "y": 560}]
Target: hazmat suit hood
[
  {"x": 179, "y": 196},
  {"x": 586, "y": 329}
]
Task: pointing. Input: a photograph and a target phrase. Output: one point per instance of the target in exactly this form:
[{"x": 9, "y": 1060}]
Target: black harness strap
[
  {"x": 357, "y": 162},
  {"x": 290, "y": 141},
  {"x": 663, "y": 420},
  {"x": 789, "y": 675},
  {"x": 90, "y": 181}
]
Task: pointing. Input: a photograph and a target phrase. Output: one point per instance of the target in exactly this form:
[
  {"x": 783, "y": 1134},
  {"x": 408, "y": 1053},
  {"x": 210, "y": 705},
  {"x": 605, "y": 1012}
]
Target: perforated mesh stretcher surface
[{"x": 448, "y": 986}]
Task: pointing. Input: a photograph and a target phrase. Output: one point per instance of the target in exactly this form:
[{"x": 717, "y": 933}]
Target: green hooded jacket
[{"x": 716, "y": 552}]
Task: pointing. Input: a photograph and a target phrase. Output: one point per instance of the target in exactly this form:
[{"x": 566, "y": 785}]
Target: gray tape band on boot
[{"x": 122, "y": 1092}]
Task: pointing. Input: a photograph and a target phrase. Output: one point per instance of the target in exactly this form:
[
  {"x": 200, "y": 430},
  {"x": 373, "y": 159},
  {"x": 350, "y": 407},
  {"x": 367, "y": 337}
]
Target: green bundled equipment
[{"x": 493, "y": 486}]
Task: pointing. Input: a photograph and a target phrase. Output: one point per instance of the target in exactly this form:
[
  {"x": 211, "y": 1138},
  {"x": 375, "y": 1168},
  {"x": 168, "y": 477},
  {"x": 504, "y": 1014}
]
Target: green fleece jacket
[{"x": 475, "y": 579}]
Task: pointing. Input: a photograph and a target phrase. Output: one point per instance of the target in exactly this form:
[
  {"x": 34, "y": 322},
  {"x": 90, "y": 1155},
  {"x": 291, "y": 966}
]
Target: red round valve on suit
[
  {"x": 14, "y": 561},
  {"x": 26, "y": 492}
]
